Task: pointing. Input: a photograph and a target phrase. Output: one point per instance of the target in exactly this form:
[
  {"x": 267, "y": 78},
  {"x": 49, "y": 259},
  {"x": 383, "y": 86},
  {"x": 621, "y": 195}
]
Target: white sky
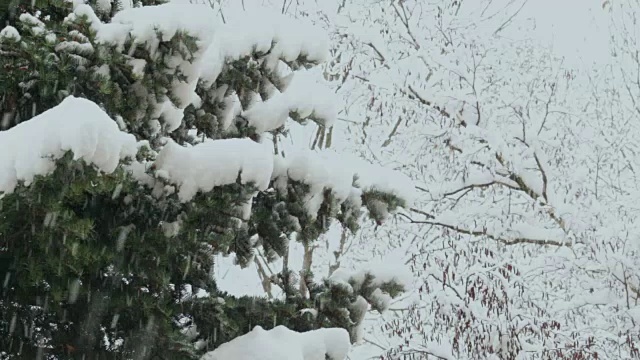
[{"x": 576, "y": 29}]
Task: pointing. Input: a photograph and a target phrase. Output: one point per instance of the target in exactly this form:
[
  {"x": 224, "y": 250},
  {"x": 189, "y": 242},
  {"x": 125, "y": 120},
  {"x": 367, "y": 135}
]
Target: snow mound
[
  {"x": 77, "y": 125},
  {"x": 319, "y": 104},
  {"x": 144, "y": 23},
  {"x": 9, "y": 32},
  {"x": 277, "y": 36},
  {"x": 373, "y": 177},
  {"x": 281, "y": 343},
  {"x": 219, "y": 162},
  {"x": 320, "y": 172},
  {"x": 214, "y": 163},
  {"x": 337, "y": 172},
  {"x": 290, "y": 39}
]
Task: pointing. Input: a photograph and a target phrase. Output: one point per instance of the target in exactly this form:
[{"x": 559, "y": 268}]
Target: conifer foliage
[{"x": 140, "y": 141}]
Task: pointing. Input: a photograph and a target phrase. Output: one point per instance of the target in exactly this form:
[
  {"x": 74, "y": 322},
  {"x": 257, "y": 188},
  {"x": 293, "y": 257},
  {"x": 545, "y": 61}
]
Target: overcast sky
[{"x": 577, "y": 29}]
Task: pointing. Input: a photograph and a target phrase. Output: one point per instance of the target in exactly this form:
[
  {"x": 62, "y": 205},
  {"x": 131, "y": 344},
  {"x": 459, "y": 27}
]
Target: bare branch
[
  {"x": 479, "y": 186},
  {"x": 544, "y": 177},
  {"x": 485, "y": 233},
  {"x": 414, "y": 94}
]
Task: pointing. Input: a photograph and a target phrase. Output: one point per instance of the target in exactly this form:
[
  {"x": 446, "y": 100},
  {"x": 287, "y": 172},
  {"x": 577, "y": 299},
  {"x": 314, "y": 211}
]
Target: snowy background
[
  {"x": 515, "y": 120},
  {"x": 577, "y": 32}
]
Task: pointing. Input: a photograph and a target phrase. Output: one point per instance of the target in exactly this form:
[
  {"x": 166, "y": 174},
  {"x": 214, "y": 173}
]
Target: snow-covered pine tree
[{"x": 137, "y": 146}]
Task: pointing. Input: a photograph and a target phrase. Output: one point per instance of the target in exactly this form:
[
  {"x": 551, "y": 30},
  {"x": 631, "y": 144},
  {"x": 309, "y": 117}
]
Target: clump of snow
[
  {"x": 214, "y": 163},
  {"x": 380, "y": 299},
  {"x": 329, "y": 170},
  {"x": 76, "y": 47},
  {"x": 145, "y": 22},
  {"x": 234, "y": 40},
  {"x": 281, "y": 343},
  {"x": 170, "y": 114},
  {"x": 172, "y": 229},
  {"x": 318, "y": 104},
  {"x": 278, "y": 36},
  {"x": 77, "y": 125},
  {"x": 381, "y": 275},
  {"x": 232, "y": 108},
  {"x": 84, "y": 10},
  {"x": 143, "y": 25},
  {"x": 377, "y": 178},
  {"x": 372, "y": 293},
  {"x": 137, "y": 66},
  {"x": 31, "y": 20},
  {"x": 320, "y": 172},
  {"x": 9, "y": 32},
  {"x": 357, "y": 311}
]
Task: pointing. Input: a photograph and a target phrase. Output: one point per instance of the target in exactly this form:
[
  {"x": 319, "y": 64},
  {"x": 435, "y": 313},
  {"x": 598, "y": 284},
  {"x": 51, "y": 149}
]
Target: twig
[{"x": 485, "y": 233}]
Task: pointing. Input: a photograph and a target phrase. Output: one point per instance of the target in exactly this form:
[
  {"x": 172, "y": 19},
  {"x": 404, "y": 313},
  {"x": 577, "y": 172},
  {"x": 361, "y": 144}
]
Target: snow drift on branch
[
  {"x": 342, "y": 175},
  {"x": 220, "y": 162},
  {"x": 214, "y": 163},
  {"x": 280, "y": 40},
  {"x": 76, "y": 125},
  {"x": 9, "y": 32},
  {"x": 290, "y": 39},
  {"x": 281, "y": 343},
  {"x": 318, "y": 104},
  {"x": 283, "y": 38}
]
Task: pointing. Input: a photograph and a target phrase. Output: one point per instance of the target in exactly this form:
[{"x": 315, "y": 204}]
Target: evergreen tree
[{"x": 114, "y": 262}]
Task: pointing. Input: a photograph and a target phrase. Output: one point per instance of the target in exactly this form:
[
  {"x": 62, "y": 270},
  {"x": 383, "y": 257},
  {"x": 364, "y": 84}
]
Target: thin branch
[
  {"x": 414, "y": 94},
  {"x": 382, "y": 58},
  {"x": 424, "y": 352},
  {"x": 444, "y": 283},
  {"x": 404, "y": 19},
  {"x": 531, "y": 193},
  {"x": 374, "y": 344},
  {"x": 547, "y": 112},
  {"x": 544, "y": 177},
  {"x": 510, "y": 19},
  {"x": 393, "y": 132},
  {"x": 479, "y": 186},
  {"x": 485, "y": 233},
  {"x": 418, "y": 211},
  {"x": 264, "y": 279}
]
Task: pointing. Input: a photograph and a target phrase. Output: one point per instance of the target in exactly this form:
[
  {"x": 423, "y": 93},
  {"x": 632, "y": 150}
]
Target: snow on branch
[
  {"x": 372, "y": 177},
  {"x": 9, "y": 32},
  {"x": 518, "y": 234},
  {"x": 318, "y": 104},
  {"x": 77, "y": 125},
  {"x": 346, "y": 177},
  {"x": 279, "y": 39},
  {"x": 376, "y": 282},
  {"x": 281, "y": 36},
  {"x": 214, "y": 163},
  {"x": 149, "y": 25},
  {"x": 281, "y": 343},
  {"x": 491, "y": 161},
  {"x": 221, "y": 162},
  {"x": 374, "y": 286}
]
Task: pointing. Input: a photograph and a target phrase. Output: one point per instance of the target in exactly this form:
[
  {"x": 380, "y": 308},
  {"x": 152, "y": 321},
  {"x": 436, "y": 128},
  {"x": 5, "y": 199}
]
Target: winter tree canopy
[
  {"x": 151, "y": 154},
  {"x": 135, "y": 146}
]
